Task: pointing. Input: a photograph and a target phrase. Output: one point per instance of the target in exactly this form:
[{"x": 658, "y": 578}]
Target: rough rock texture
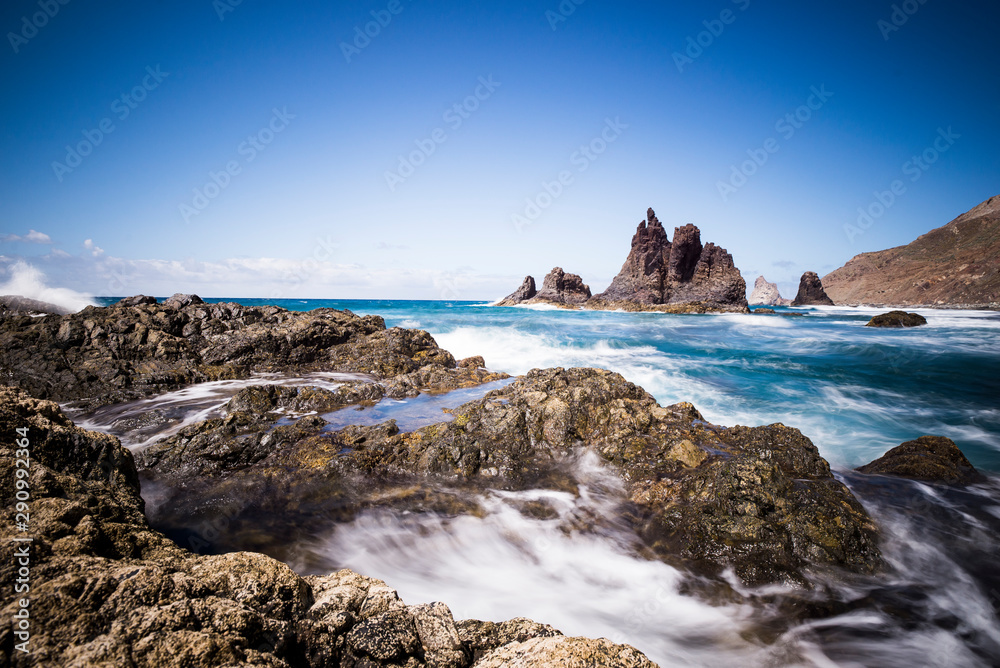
[
  {"x": 928, "y": 458},
  {"x": 759, "y": 500},
  {"x": 897, "y": 319},
  {"x": 811, "y": 292},
  {"x": 558, "y": 288},
  {"x": 565, "y": 653},
  {"x": 766, "y": 294},
  {"x": 957, "y": 264},
  {"x": 137, "y": 300},
  {"x": 17, "y": 305},
  {"x": 522, "y": 294},
  {"x": 119, "y": 353},
  {"x": 108, "y": 591},
  {"x": 660, "y": 273}
]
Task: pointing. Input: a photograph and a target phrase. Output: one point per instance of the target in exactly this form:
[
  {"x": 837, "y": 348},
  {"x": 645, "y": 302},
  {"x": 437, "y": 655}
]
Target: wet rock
[
  {"x": 660, "y": 273},
  {"x": 112, "y": 355},
  {"x": 563, "y": 652},
  {"x": 928, "y": 458},
  {"x": 107, "y": 590},
  {"x": 481, "y": 638},
  {"x": 521, "y": 295},
  {"x": 897, "y": 319},
  {"x": 11, "y": 305},
  {"x": 764, "y": 311},
  {"x": 137, "y": 300},
  {"x": 811, "y": 292},
  {"x": 758, "y": 500}
]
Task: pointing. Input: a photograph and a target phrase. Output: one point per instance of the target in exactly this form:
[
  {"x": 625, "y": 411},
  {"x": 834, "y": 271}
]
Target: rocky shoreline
[{"x": 110, "y": 588}]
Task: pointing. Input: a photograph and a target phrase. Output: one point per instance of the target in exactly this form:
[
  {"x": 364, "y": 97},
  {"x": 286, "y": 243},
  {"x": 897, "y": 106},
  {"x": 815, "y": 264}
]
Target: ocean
[{"x": 855, "y": 391}]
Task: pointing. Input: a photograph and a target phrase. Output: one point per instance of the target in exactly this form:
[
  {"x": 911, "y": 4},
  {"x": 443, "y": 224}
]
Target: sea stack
[
  {"x": 766, "y": 294},
  {"x": 558, "y": 288},
  {"x": 811, "y": 292},
  {"x": 685, "y": 274}
]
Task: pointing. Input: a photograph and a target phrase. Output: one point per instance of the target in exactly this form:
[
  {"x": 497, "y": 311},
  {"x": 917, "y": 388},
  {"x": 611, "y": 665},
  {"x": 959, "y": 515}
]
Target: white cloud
[
  {"x": 94, "y": 249},
  {"x": 32, "y": 237}
]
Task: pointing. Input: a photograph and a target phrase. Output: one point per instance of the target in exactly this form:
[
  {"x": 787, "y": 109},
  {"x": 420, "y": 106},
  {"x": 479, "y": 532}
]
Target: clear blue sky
[{"x": 313, "y": 214}]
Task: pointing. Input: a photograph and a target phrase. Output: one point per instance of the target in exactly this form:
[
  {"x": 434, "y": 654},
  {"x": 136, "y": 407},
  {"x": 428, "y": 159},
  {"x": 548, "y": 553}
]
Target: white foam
[{"x": 27, "y": 281}]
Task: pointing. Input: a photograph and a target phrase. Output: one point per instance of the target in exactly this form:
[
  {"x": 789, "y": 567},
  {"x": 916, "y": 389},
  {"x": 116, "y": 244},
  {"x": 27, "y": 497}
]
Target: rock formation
[
  {"x": 928, "y": 458},
  {"x": 811, "y": 292},
  {"x": 107, "y": 590},
  {"x": 522, "y": 294},
  {"x": 775, "y": 509},
  {"x": 957, "y": 264},
  {"x": 897, "y": 319},
  {"x": 119, "y": 353},
  {"x": 17, "y": 305},
  {"x": 558, "y": 288},
  {"x": 766, "y": 294},
  {"x": 658, "y": 274}
]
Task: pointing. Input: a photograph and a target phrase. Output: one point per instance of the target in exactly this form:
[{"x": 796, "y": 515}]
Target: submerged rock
[
  {"x": 928, "y": 458},
  {"x": 811, "y": 292},
  {"x": 897, "y": 319},
  {"x": 659, "y": 273},
  {"x": 107, "y": 590}
]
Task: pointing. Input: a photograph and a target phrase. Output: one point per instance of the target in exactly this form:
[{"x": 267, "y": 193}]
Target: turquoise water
[{"x": 855, "y": 391}]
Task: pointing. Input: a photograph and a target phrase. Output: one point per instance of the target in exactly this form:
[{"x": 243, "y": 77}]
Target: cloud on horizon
[{"x": 32, "y": 237}]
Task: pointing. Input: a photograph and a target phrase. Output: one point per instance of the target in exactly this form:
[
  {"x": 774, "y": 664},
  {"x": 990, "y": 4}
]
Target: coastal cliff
[{"x": 954, "y": 265}]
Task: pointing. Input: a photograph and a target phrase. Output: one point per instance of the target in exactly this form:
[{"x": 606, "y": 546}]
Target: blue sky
[{"x": 254, "y": 154}]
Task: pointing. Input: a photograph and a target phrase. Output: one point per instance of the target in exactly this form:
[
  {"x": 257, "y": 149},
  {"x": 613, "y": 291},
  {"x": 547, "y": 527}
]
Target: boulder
[
  {"x": 811, "y": 292},
  {"x": 138, "y": 300},
  {"x": 928, "y": 458},
  {"x": 179, "y": 301},
  {"x": 658, "y": 273},
  {"x": 897, "y": 319}
]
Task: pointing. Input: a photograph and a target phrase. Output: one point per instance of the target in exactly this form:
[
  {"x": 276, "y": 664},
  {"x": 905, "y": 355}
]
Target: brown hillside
[{"x": 958, "y": 263}]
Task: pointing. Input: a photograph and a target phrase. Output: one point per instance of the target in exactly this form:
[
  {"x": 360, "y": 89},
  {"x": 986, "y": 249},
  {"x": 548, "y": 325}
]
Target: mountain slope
[{"x": 958, "y": 263}]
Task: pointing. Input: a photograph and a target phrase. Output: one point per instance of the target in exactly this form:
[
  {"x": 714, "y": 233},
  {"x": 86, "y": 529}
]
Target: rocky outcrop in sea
[
  {"x": 558, "y": 289},
  {"x": 811, "y": 292},
  {"x": 12, "y": 305},
  {"x": 682, "y": 275},
  {"x": 766, "y": 294},
  {"x": 933, "y": 459},
  {"x": 897, "y": 319}
]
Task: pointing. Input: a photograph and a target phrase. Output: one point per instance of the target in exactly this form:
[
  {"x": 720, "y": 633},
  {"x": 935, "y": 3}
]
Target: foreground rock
[
  {"x": 119, "y": 353},
  {"x": 558, "y": 289},
  {"x": 811, "y": 292},
  {"x": 11, "y": 305},
  {"x": 953, "y": 265},
  {"x": 928, "y": 458},
  {"x": 897, "y": 319},
  {"x": 660, "y": 275},
  {"x": 766, "y": 294},
  {"x": 760, "y": 501},
  {"x": 107, "y": 590}
]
